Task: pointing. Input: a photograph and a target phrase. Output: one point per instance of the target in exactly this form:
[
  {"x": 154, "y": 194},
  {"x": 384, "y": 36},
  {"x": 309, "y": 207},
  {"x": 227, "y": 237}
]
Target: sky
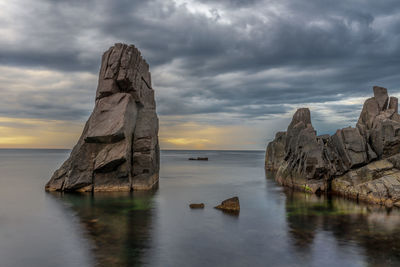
[{"x": 227, "y": 74}]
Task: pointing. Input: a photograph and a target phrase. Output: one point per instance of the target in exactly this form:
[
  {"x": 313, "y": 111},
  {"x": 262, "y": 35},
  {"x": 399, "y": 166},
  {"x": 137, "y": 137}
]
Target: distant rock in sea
[
  {"x": 199, "y": 158},
  {"x": 197, "y": 206},
  {"x": 118, "y": 149},
  {"x": 361, "y": 163}
]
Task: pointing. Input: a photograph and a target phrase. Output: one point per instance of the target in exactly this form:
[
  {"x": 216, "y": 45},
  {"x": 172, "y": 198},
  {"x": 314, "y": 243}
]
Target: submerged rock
[
  {"x": 314, "y": 163},
  {"x": 231, "y": 205},
  {"x": 118, "y": 149}
]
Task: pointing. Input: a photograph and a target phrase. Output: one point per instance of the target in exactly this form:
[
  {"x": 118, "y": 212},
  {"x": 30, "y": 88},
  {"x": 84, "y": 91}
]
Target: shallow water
[{"x": 275, "y": 227}]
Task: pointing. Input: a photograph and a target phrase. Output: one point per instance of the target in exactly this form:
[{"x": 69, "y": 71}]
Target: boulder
[
  {"x": 230, "y": 205},
  {"x": 118, "y": 149}
]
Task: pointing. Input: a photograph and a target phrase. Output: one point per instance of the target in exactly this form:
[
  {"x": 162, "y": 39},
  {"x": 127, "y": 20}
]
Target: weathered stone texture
[
  {"x": 118, "y": 149},
  {"x": 275, "y": 153},
  {"x": 320, "y": 163}
]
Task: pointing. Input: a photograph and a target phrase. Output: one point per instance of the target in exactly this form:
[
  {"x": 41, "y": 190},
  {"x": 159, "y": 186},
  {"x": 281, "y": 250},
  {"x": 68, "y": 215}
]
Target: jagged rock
[
  {"x": 275, "y": 153},
  {"x": 304, "y": 165},
  {"x": 381, "y": 97},
  {"x": 230, "y": 205},
  {"x": 118, "y": 149},
  {"x": 301, "y": 120},
  {"x": 379, "y": 123},
  {"x": 394, "y": 104},
  {"x": 317, "y": 163}
]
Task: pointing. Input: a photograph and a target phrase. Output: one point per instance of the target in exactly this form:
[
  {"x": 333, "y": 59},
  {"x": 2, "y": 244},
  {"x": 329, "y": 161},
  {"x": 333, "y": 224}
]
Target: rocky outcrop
[
  {"x": 377, "y": 182},
  {"x": 229, "y": 205},
  {"x": 313, "y": 163},
  {"x": 118, "y": 149}
]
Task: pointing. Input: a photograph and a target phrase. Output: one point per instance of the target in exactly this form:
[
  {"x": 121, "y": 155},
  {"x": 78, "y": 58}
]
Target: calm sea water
[{"x": 275, "y": 227}]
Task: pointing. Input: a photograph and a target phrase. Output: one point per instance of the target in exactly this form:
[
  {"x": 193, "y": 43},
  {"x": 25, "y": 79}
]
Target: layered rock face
[
  {"x": 118, "y": 149},
  {"x": 314, "y": 163}
]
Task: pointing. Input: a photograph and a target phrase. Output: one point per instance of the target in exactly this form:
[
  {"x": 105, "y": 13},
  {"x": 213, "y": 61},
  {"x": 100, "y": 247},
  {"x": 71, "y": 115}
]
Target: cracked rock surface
[{"x": 118, "y": 149}]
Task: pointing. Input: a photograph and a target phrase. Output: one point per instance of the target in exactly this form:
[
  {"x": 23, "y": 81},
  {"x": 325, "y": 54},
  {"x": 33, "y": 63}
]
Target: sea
[{"x": 275, "y": 227}]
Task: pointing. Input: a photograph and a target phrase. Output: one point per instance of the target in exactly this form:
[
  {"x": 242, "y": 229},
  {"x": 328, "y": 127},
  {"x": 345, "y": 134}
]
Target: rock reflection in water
[
  {"x": 373, "y": 229},
  {"x": 118, "y": 223}
]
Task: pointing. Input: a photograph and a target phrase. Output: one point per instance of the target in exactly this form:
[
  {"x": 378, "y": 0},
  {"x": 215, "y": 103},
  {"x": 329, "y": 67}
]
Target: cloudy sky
[{"x": 228, "y": 74}]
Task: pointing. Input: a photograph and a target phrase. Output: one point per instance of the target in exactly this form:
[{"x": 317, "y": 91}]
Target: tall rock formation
[
  {"x": 118, "y": 149},
  {"x": 314, "y": 163},
  {"x": 379, "y": 123}
]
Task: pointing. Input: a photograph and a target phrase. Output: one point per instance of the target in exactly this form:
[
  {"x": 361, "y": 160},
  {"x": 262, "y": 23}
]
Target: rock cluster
[
  {"x": 315, "y": 163},
  {"x": 118, "y": 149}
]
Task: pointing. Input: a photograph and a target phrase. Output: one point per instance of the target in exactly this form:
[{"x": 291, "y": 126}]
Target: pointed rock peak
[
  {"x": 301, "y": 115},
  {"x": 123, "y": 69},
  {"x": 394, "y": 104},
  {"x": 381, "y": 97},
  {"x": 279, "y": 134},
  {"x": 118, "y": 149}
]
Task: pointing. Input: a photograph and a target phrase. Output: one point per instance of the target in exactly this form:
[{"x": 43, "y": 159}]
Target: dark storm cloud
[
  {"x": 66, "y": 61},
  {"x": 247, "y": 58},
  {"x": 234, "y": 3}
]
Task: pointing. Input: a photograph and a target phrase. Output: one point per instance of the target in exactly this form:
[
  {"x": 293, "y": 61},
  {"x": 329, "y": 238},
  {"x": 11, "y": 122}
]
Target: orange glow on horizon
[
  {"x": 42, "y": 133},
  {"x": 38, "y": 133}
]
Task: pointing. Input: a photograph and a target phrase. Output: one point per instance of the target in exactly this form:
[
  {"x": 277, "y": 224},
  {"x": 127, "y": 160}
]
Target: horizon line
[{"x": 43, "y": 148}]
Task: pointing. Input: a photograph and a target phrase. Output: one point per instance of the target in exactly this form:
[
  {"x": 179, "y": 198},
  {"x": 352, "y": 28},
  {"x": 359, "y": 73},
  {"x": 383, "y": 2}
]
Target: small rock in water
[
  {"x": 198, "y": 158},
  {"x": 231, "y": 204},
  {"x": 197, "y": 206}
]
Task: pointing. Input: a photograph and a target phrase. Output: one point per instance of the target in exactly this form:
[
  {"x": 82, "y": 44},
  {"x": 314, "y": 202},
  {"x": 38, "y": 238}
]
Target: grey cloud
[{"x": 219, "y": 61}]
